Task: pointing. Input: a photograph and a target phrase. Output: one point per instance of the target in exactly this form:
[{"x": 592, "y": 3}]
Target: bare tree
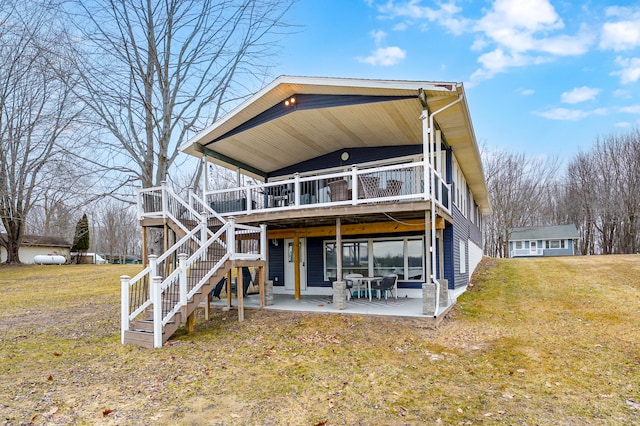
[
  {"x": 604, "y": 194},
  {"x": 117, "y": 233},
  {"x": 519, "y": 188},
  {"x": 154, "y": 72},
  {"x": 37, "y": 112}
]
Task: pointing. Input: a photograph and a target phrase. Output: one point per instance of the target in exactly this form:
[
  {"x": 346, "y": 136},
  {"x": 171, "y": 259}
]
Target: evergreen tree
[{"x": 81, "y": 237}]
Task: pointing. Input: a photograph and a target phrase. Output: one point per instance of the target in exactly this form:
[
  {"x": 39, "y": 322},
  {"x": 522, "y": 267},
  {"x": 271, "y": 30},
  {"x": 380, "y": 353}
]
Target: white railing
[
  {"x": 526, "y": 252},
  {"x": 393, "y": 183},
  {"x": 199, "y": 245}
]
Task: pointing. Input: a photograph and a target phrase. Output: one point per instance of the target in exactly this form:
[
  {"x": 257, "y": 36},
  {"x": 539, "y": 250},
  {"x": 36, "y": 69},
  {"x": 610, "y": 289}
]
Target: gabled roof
[
  {"x": 560, "y": 232},
  {"x": 263, "y": 134},
  {"x": 41, "y": 240}
]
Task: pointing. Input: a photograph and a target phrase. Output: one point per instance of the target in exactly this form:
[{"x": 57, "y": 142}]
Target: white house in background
[
  {"x": 34, "y": 245},
  {"x": 558, "y": 240}
]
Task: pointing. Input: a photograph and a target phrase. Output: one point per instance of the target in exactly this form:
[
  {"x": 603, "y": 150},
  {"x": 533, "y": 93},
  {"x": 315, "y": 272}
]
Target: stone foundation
[
  {"x": 429, "y": 299},
  {"x": 444, "y": 293},
  {"x": 268, "y": 293},
  {"x": 339, "y": 295}
]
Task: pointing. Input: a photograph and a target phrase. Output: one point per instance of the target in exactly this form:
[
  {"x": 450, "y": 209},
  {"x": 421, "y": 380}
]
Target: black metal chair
[
  {"x": 349, "y": 281},
  {"x": 386, "y": 283}
]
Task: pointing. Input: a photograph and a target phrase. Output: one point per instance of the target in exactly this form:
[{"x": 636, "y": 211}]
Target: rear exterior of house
[
  {"x": 558, "y": 240},
  {"x": 341, "y": 176}
]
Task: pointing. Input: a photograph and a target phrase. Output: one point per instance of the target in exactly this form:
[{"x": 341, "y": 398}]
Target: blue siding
[
  {"x": 315, "y": 263},
  {"x": 276, "y": 263},
  {"x": 356, "y": 155},
  {"x": 461, "y": 232},
  {"x": 449, "y": 261}
]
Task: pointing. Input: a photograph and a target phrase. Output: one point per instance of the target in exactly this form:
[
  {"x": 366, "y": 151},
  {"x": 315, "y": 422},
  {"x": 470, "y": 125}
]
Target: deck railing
[
  {"x": 174, "y": 277},
  {"x": 393, "y": 183}
]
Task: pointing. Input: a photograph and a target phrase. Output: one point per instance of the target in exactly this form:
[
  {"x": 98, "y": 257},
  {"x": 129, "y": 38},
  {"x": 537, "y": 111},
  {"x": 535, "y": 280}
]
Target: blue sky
[{"x": 542, "y": 77}]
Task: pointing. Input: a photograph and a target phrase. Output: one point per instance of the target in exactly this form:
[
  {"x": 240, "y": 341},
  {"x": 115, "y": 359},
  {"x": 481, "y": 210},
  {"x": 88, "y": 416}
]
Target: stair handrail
[
  {"x": 150, "y": 271},
  {"x": 204, "y": 207},
  {"x": 179, "y": 275}
]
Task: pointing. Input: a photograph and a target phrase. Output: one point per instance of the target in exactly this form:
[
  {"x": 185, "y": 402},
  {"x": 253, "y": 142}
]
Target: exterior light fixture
[{"x": 290, "y": 102}]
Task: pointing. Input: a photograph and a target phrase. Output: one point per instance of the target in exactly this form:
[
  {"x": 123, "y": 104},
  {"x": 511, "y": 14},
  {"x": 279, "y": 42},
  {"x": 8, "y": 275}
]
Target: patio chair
[
  {"x": 368, "y": 186},
  {"x": 387, "y": 283},
  {"x": 349, "y": 281},
  {"x": 339, "y": 190}
]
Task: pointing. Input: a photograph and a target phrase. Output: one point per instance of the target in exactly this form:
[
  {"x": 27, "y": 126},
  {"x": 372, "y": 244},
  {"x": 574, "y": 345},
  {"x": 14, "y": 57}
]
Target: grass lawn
[{"x": 534, "y": 341}]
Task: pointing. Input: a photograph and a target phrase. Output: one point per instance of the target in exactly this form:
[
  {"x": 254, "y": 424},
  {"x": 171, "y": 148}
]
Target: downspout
[{"x": 431, "y": 133}]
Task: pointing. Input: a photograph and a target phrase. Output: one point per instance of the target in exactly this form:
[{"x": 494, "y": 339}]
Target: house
[
  {"x": 35, "y": 245},
  {"x": 374, "y": 177},
  {"x": 558, "y": 240}
]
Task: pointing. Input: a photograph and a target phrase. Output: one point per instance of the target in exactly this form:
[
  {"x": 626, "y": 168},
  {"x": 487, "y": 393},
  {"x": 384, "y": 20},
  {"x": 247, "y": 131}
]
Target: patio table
[{"x": 368, "y": 281}]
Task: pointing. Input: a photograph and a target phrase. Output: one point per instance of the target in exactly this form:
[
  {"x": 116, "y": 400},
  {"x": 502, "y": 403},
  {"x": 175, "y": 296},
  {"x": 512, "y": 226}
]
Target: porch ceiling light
[{"x": 290, "y": 102}]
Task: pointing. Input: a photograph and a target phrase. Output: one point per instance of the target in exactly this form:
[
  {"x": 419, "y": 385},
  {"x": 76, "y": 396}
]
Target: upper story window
[{"x": 460, "y": 196}]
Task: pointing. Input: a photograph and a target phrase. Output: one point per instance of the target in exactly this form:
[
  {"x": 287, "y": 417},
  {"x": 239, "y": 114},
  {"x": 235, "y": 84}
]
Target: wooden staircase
[
  {"x": 166, "y": 294},
  {"x": 141, "y": 330}
]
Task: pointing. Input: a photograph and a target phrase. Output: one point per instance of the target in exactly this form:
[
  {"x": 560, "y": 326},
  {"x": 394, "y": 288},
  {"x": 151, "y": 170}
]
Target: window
[
  {"x": 463, "y": 258},
  {"x": 518, "y": 245},
  {"x": 553, "y": 244},
  {"x": 355, "y": 258},
  {"x": 379, "y": 257}
]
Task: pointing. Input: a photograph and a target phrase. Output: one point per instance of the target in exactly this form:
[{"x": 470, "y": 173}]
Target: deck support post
[
  {"x": 240, "y": 293},
  {"x": 124, "y": 303},
  {"x": 229, "y": 274},
  {"x": 296, "y": 266},
  {"x": 182, "y": 264},
  {"x": 338, "y": 249},
  {"x": 191, "y": 322},
  {"x": 156, "y": 298}
]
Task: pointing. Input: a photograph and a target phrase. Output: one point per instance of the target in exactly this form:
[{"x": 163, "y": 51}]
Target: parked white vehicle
[{"x": 94, "y": 258}]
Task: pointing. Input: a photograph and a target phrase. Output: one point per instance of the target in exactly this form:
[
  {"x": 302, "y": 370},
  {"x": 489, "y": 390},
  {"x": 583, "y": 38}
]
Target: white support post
[
  {"x": 438, "y": 163},
  {"x": 296, "y": 189},
  {"x": 231, "y": 236},
  {"x": 153, "y": 265},
  {"x": 263, "y": 242},
  {"x": 124, "y": 302},
  {"x": 165, "y": 200},
  {"x": 156, "y": 299},
  {"x": 203, "y": 233},
  {"x": 182, "y": 264},
  {"x": 205, "y": 180},
  {"x": 248, "y": 198},
  {"x": 140, "y": 203},
  {"x": 354, "y": 185}
]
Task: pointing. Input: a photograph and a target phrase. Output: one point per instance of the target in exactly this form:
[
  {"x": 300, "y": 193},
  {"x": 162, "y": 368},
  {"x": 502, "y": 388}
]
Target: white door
[
  {"x": 533, "y": 245},
  {"x": 289, "y": 273}
]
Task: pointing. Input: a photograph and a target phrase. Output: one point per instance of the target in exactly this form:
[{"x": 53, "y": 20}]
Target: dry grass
[{"x": 535, "y": 341}]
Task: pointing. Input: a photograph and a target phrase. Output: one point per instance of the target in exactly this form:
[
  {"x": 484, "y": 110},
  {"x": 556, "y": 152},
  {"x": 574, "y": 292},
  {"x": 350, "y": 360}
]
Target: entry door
[
  {"x": 289, "y": 273},
  {"x": 533, "y": 247}
]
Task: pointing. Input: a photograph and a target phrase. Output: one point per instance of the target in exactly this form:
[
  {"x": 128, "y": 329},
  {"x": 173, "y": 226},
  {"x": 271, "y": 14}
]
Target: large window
[
  {"x": 555, "y": 244},
  {"x": 377, "y": 257}
]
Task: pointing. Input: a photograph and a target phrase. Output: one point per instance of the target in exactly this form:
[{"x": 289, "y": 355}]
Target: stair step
[{"x": 140, "y": 338}]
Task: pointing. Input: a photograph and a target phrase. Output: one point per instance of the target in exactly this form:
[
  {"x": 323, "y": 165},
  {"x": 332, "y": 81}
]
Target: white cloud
[
  {"x": 378, "y": 36},
  {"x": 445, "y": 15},
  {"x": 569, "y": 114},
  {"x": 633, "y": 109},
  {"x": 623, "y": 124},
  {"x": 522, "y": 31},
  {"x": 623, "y": 34},
  {"x": 401, "y": 26},
  {"x": 527, "y": 92},
  {"x": 498, "y": 61},
  {"x": 385, "y": 56},
  {"x": 579, "y": 94},
  {"x": 630, "y": 72}
]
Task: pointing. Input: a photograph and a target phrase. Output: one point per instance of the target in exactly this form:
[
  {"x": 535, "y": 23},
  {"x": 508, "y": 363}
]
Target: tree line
[
  {"x": 598, "y": 190},
  {"x": 97, "y": 96}
]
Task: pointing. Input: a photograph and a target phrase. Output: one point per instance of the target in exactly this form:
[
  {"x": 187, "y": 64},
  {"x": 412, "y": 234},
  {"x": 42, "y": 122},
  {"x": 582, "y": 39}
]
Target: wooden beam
[
  {"x": 354, "y": 229},
  {"x": 296, "y": 266},
  {"x": 229, "y": 289},
  {"x": 240, "y": 294},
  {"x": 260, "y": 274},
  {"x": 145, "y": 248},
  {"x": 338, "y": 250}
]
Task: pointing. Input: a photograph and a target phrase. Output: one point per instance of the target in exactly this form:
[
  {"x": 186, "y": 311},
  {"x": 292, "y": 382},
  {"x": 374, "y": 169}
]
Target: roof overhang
[{"x": 263, "y": 134}]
